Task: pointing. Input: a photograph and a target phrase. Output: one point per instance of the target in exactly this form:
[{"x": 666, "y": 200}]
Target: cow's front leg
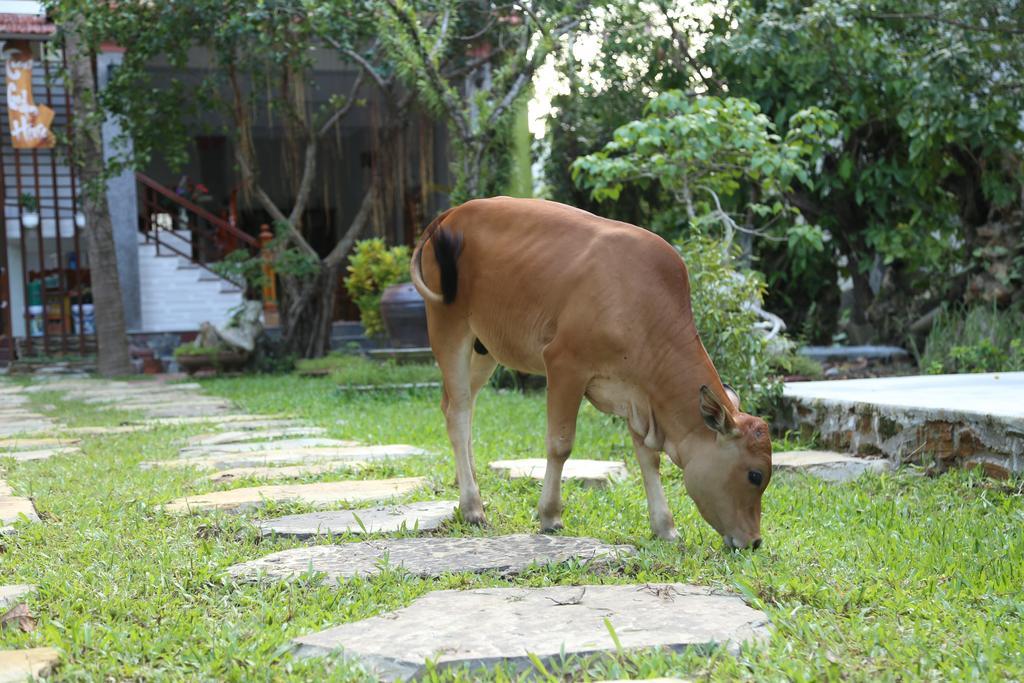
[
  {"x": 565, "y": 392},
  {"x": 662, "y": 523}
]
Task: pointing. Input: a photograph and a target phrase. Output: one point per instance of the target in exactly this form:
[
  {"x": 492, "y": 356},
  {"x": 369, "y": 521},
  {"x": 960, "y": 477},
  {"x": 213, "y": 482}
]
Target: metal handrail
[{"x": 216, "y": 221}]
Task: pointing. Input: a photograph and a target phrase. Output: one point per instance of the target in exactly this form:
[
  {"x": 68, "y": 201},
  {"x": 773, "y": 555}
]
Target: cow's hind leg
[
  {"x": 463, "y": 377},
  {"x": 565, "y": 392}
]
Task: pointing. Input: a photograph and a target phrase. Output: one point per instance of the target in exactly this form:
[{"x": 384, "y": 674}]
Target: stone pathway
[
  {"x": 353, "y": 455},
  {"x": 39, "y": 453},
  {"x": 587, "y": 472},
  {"x": 250, "y": 447},
  {"x": 240, "y": 436},
  {"x": 154, "y": 399},
  {"x": 16, "y": 417},
  {"x": 12, "y": 595},
  {"x": 323, "y": 493},
  {"x": 18, "y": 666},
  {"x": 485, "y": 627},
  {"x": 283, "y": 472},
  {"x": 12, "y": 508},
  {"x": 827, "y": 465},
  {"x": 429, "y": 557},
  {"x": 425, "y": 516}
]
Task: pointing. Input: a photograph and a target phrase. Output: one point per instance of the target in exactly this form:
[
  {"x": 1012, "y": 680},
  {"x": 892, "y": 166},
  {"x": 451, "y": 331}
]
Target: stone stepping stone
[
  {"x": 286, "y": 472},
  {"x": 429, "y": 556},
  {"x": 26, "y": 427},
  {"x": 323, "y": 493},
  {"x": 282, "y": 444},
  {"x": 425, "y": 516},
  {"x": 28, "y": 443},
  {"x": 484, "y": 627},
  {"x": 242, "y": 436},
  {"x": 13, "y": 594},
  {"x": 13, "y": 507},
  {"x": 587, "y": 472},
  {"x": 32, "y": 664},
  {"x": 104, "y": 431},
  {"x": 828, "y": 465},
  {"x": 40, "y": 454},
  {"x": 357, "y": 455},
  {"x": 230, "y": 418}
]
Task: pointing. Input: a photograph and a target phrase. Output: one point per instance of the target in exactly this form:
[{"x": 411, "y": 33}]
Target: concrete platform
[
  {"x": 429, "y": 556},
  {"x": 952, "y": 420},
  {"x": 482, "y": 628}
]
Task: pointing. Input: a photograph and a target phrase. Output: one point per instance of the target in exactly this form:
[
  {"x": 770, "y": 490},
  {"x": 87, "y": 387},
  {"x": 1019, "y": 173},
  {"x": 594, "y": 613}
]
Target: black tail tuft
[{"x": 447, "y": 247}]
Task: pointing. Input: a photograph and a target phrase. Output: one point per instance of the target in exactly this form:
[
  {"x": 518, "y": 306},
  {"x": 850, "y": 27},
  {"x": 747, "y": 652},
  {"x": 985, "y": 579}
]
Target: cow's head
[{"x": 727, "y": 480}]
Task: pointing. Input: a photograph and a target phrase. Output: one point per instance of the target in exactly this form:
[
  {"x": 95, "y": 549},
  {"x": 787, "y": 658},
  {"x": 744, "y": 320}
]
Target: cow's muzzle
[{"x": 736, "y": 544}]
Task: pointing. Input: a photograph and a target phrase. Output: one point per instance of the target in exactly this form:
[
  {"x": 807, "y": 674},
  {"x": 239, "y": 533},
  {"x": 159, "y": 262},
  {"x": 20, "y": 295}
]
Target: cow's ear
[
  {"x": 733, "y": 396},
  {"x": 716, "y": 415}
]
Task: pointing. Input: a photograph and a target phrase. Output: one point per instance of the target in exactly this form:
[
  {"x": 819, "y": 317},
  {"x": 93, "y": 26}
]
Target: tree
[
  {"x": 112, "y": 339},
  {"x": 645, "y": 49},
  {"x": 928, "y": 98},
  {"x": 255, "y": 49},
  {"x": 472, "y": 63},
  {"x": 715, "y": 161}
]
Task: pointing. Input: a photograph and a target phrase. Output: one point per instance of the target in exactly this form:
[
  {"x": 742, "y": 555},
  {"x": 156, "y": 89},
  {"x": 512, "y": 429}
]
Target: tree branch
[
  {"x": 343, "y": 110},
  {"x": 355, "y": 228},
  {"x": 270, "y": 207},
  {"x": 435, "y": 78}
]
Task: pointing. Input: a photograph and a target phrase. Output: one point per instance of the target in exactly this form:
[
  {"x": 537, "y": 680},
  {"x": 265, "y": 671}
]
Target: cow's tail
[{"x": 447, "y": 246}]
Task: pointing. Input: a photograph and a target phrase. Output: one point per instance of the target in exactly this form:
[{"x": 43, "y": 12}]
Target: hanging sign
[{"x": 30, "y": 123}]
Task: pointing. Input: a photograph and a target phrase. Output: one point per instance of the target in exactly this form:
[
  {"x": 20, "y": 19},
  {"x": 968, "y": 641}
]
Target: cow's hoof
[
  {"x": 476, "y": 518},
  {"x": 552, "y": 528},
  {"x": 668, "y": 534}
]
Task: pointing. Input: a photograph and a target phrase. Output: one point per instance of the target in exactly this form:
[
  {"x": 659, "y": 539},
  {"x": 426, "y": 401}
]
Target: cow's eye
[{"x": 755, "y": 477}]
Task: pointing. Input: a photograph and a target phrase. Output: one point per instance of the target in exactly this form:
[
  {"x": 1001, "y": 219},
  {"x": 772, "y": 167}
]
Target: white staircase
[{"x": 177, "y": 294}]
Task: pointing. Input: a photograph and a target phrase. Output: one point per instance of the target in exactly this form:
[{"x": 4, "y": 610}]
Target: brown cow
[{"x": 602, "y": 308}]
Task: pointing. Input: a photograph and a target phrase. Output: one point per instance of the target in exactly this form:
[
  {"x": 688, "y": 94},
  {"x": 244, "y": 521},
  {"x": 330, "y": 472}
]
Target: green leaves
[
  {"x": 703, "y": 151},
  {"x": 373, "y": 267}
]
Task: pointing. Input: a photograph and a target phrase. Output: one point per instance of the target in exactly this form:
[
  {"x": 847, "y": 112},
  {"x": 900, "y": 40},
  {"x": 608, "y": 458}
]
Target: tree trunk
[
  {"x": 112, "y": 340},
  {"x": 309, "y": 312}
]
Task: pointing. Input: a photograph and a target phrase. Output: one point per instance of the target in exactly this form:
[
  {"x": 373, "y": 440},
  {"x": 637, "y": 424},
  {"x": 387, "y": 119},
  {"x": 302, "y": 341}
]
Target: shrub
[
  {"x": 721, "y": 296},
  {"x": 373, "y": 267},
  {"x": 978, "y": 339}
]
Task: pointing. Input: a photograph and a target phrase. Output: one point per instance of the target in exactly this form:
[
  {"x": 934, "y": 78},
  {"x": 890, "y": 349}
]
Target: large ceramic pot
[{"x": 405, "y": 316}]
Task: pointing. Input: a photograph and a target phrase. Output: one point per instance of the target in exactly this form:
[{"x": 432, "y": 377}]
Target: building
[{"x": 170, "y": 227}]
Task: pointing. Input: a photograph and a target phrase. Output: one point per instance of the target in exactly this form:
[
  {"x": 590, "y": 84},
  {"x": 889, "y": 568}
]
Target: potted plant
[
  {"x": 378, "y": 283},
  {"x": 29, "y": 211},
  {"x": 193, "y": 358}
]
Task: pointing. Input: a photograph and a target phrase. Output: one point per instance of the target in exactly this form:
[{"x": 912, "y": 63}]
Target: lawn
[{"x": 889, "y": 577}]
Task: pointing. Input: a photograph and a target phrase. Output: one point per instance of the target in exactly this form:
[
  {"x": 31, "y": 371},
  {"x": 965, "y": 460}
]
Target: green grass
[
  {"x": 890, "y": 577},
  {"x": 352, "y": 370}
]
